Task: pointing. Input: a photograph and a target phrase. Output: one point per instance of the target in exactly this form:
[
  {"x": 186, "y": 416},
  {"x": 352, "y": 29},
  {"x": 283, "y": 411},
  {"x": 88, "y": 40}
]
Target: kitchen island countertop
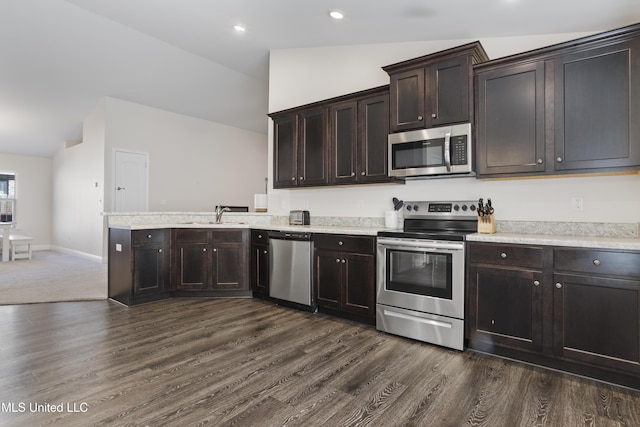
[{"x": 331, "y": 229}]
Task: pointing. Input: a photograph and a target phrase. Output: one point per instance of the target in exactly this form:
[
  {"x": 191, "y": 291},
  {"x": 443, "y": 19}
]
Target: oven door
[{"x": 426, "y": 276}]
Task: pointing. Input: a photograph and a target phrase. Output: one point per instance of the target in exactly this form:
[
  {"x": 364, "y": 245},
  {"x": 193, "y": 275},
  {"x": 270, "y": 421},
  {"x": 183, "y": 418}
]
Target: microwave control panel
[{"x": 459, "y": 150}]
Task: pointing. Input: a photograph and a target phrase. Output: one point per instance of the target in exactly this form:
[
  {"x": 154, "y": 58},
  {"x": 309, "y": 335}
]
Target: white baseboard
[{"x": 73, "y": 252}]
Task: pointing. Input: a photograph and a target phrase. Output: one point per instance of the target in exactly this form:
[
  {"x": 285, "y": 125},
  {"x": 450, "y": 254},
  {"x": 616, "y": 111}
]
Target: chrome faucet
[{"x": 219, "y": 211}]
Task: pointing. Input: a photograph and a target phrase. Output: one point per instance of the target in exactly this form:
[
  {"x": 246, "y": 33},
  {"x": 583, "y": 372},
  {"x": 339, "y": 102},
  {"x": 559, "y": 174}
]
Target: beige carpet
[{"x": 52, "y": 276}]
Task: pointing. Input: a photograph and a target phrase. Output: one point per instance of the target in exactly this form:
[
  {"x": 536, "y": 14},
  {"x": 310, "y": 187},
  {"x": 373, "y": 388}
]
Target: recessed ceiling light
[
  {"x": 336, "y": 14},
  {"x": 240, "y": 28}
]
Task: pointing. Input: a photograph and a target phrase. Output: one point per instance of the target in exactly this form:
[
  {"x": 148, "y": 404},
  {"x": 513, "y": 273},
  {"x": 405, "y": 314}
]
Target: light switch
[{"x": 118, "y": 247}]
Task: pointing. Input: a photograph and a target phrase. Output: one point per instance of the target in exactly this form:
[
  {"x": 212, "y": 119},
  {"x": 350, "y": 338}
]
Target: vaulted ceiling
[{"x": 59, "y": 57}]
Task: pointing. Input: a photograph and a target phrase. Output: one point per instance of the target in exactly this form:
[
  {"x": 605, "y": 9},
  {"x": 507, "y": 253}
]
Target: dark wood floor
[{"x": 249, "y": 363}]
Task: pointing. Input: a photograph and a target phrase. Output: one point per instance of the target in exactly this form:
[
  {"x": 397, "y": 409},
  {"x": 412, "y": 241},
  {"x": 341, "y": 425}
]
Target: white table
[{"x": 5, "y": 227}]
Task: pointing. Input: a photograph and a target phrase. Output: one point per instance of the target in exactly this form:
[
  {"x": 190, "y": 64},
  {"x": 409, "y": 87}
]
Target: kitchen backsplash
[{"x": 590, "y": 229}]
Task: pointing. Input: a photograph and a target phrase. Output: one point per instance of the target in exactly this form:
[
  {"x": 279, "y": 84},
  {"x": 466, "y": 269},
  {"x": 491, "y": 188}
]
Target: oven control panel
[{"x": 456, "y": 209}]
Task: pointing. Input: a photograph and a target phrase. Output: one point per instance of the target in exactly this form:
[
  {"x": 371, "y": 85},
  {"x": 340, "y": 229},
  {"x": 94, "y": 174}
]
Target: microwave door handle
[{"x": 447, "y": 152}]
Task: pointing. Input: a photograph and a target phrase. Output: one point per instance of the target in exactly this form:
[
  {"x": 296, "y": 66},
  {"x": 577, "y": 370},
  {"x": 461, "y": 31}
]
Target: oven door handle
[{"x": 421, "y": 244}]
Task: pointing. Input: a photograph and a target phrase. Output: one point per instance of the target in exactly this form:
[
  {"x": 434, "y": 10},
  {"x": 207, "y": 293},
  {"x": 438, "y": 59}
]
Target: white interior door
[{"x": 130, "y": 181}]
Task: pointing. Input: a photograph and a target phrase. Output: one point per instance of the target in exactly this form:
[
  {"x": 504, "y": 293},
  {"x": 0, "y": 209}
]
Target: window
[{"x": 7, "y": 197}]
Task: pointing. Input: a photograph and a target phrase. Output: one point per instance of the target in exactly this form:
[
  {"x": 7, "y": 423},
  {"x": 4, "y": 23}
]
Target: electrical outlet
[{"x": 577, "y": 203}]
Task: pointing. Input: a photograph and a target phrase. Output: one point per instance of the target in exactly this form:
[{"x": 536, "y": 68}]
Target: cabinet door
[
  {"x": 228, "y": 267},
  {"x": 511, "y": 125},
  {"x": 597, "y": 321},
  {"x": 359, "y": 284},
  {"x": 597, "y": 102},
  {"x": 260, "y": 269},
  {"x": 150, "y": 269},
  {"x": 313, "y": 164},
  {"x": 285, "y": 154},
  {"x": 448, "y": 95},
  {"x": 407, "y": 100},
  {"x": 373, "y": 133},
  {"x": 505, "y": 308},
  {"x": 191, "y": 266},
  {"x": 344, "y": 126},
  {"x": 328, "y": 278}
]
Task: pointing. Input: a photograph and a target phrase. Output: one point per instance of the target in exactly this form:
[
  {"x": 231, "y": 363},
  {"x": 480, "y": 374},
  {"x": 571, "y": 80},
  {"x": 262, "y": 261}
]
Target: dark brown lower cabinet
[
  {"x": 507, "y": 308},
  {"x": 138, "y": 265},
  {"x": 206, "y": 261},
  {"x": 579, "y": 312},
  {"x": 259, "y": 270},
  {"x": 344, "y": 274}
]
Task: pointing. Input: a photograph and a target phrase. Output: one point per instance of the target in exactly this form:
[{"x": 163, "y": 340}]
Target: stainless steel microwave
[{"x": 443, "y": 150}]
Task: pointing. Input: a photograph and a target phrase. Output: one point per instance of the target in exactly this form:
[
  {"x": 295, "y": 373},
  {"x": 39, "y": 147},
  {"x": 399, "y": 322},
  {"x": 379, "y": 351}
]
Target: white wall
[
  {"x": 194, "y": 164},
  {"x": 300, "y": 76},
  {"x": 33, "y": 193},
  {"x": 78, "y": 191}
]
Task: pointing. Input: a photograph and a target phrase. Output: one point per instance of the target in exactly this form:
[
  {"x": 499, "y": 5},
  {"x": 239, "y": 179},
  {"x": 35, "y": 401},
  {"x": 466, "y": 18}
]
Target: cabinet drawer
[
  {"x": 191, "y": 235},
  {"x": 505, "y": 254},
  {"x": 227, "y": 236},
  {"x": 341, "y": 242},
  {"x": 259, "y": 237},
  {"x": 592, "y": 261},
  {"x": 149, "y": 236}
]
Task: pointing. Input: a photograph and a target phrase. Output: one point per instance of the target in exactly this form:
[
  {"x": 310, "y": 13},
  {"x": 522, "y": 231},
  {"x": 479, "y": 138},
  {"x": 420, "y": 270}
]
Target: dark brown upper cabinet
[
  {"x": 340, "y": 140},
  {"x": 510, "y": 125},
  {"x": 568, "y": 108},
  {"x": 358, "y": 142},
  {"x": 433, "y": 90},
  {"x": 300, "y": 148}
]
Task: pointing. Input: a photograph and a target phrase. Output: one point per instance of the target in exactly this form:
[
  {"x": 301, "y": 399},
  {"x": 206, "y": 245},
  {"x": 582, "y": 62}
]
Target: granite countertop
[
  {"x": 331, "y": 229},
  {"x": 624, "y": 236},
  {"x": 558, "y": 240}
]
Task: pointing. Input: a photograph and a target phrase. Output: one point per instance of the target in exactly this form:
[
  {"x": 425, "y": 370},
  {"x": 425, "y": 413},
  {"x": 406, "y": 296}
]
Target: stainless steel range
[{"x": 420, "y": 285}]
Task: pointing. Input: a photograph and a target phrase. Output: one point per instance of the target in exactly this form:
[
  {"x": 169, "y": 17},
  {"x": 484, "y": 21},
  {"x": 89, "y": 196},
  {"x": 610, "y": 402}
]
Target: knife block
[{"x": 486, "y": 224}]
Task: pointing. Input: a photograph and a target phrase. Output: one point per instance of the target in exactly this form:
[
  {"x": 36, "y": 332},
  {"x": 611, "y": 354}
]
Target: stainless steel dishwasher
[{"x": 290, "y": 267}]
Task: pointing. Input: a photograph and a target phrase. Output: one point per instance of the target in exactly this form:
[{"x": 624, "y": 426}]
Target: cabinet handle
[
  {"x": 204, "y": 249},
  {"x": 353, "y": 174},
  {"x": 159, "y": 251},
  {"x": 148, "y": 236},
  {"x": 434, "y": 115},
  {"x": 337, "y": 260},
  {"x": 536, "y": 283},
  {"x": 344, "y": 261},
  {"x": 559, "y": 285},
  {"x": 340, "y": 243},
  {"x": 293, "y": 178},
  {"x": 559, "y": 159},
  {"x": 596, "y": 262},
  {"x": 301, "y": 178},
  {"x": 265, "y": 252},
  {"x": 420, "y": 118},
  {"x": 215, "y": 250},
  {"x": 363, "y": 173},
  {"x": 503, "y": 255},
  {"x": 259, "y": 236},
  {"x": 539, "y": 161}
]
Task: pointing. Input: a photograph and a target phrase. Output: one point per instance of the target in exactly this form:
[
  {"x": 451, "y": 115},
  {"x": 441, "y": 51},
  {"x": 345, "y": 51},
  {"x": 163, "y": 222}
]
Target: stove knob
[
  {"x": 464, "y": 208},
  {"x": 415, "y": 208},
  {"x": 456, "y": 208},
  {"x": 408, "y": 207},
  {"x": 472, "y": 207}
]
